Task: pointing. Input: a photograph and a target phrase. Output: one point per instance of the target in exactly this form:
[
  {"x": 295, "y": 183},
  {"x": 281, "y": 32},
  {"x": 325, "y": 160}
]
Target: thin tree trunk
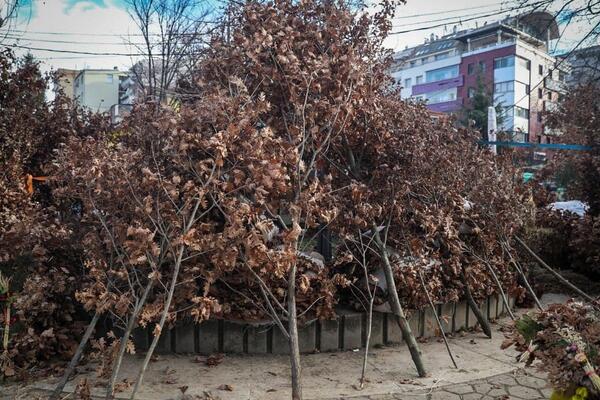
[
  {"x": 131, "y": 324},
  {"x": 293, "y": 336},
  {"x": 439, "y": 323},
  {"x": 161, "y": 324},
  {"x": 485, "y": 324},
  {"x": 394, "y": 300},
  {"x": 163, "y": 317},
  {"x": 522, "y": 275},
  {"x": 504, "y": 298},
  {"x": 75, "y": 360},
  {"x": 556, "y": 274},
  {"x": 368, "y": 339}
]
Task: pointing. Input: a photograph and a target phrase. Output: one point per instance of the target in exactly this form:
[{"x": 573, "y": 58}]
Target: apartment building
[
  {"x": 65, "y": 81},
  {"x": 511, "y": 59},
  {"x": 99, "y": 90}
]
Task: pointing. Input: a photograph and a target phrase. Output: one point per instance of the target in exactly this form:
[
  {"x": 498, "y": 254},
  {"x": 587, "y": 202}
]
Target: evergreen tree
[{"x": 477, "y": 108}]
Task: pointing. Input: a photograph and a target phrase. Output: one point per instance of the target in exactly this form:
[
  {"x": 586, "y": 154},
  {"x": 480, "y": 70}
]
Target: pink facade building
[{"x": 509, "y": 57}]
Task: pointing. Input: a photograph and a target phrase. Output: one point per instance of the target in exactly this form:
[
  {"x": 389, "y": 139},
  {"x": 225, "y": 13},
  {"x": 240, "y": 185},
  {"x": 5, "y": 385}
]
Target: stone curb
[{"x": 347, "y": 332}]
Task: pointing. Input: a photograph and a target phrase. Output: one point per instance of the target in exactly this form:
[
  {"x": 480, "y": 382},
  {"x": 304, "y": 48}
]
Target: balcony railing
[
  {"x": 446, "y": 106},
  {"x": 436, "y": 86}
]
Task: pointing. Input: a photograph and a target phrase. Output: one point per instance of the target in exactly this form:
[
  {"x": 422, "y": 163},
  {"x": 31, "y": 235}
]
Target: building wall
[
  {"x": 97, "y": 90},
  {"x": 421, "y": 70},
  {"x": 488, "y": 76}
]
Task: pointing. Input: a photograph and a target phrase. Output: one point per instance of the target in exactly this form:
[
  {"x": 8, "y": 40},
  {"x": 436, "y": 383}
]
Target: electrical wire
[
  {"x": 562, "y": 60},
  {"x": 460, "y": 20}
]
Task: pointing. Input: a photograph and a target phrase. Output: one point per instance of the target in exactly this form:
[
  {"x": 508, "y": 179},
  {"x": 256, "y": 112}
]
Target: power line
[
  {"x": 92, "y": 53},
  {"x": 461, "y": 20},
  {"x": 562, "y": 60},
  {"x": 447, "y": 11},
  {"x": 20, "y": 38}
]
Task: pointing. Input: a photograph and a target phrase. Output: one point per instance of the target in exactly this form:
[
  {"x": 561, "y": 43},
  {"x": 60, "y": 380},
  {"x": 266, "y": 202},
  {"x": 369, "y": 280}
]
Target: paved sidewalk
[{"x": 485, "y": 372}]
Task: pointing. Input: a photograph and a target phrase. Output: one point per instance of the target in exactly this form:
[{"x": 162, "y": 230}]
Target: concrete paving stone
[
  {"x": 208, "y": 336},
  {"x": 483, "y": 387},
  {"x": 430, "y": 326},
  {"x": 547, "y": 392},
  {"x": 233, "y": 337},
  {"x": 330, "y": 335},
  {"x": 257, "y": 338},
  {"x": 415, "y": 321},
  {"x": 502, "y": 380},
  {"x": 532, "y": 382},
  {"x": 184, "y": 338},
  {"x": 376, "y": 330},
  {"x": 492, "y": 307},
  {"x": 307, "y": 338},
  {"x": 280, "y": 344},
  {"x": 394, "y": 335},
  {"x": 444, "y": 395},
  {"x": 141, "y": 338},
  {"x": 460, "y": 316},
  {"x": 446, "y": 312},
  {"x": 472, "y": 396},
  {"x": 164, "y": 342},
  {"x": 522, "y": 392},
  {"x": 352, "y": 331},
  {"x": 460, "y": 388},
  {"x": 497, "y": 393}
]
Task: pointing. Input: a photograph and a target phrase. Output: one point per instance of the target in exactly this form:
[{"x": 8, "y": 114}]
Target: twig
[
  {"x": 437, "y": 318},
  {"x": 556, "y": 274}
]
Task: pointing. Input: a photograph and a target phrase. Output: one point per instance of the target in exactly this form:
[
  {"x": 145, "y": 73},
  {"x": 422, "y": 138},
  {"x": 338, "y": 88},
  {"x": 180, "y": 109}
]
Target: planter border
[{"x": 347, "y": 332}]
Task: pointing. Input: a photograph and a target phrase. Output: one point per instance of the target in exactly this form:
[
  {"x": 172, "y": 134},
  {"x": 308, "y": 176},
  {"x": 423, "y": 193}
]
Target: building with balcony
[
  {"x": 509, "y": 57},
  {"x": 99, "y": 90}
]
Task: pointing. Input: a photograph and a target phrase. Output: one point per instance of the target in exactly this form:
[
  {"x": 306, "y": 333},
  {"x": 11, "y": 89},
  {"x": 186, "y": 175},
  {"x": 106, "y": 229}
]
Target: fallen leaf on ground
[{"x": 215, "y": 359}]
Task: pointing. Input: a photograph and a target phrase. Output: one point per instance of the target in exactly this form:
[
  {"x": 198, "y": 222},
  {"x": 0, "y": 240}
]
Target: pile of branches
[
  {"x": 37, "y": 250},
  {"x": 565, "y": 339},
  {"x": 291, "y": 129},
  {"x": 578, "y": 117}
]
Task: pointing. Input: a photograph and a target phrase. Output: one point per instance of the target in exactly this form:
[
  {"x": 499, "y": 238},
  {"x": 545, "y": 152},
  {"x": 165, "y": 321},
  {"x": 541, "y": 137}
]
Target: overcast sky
[{"x": 105, "y": 26}]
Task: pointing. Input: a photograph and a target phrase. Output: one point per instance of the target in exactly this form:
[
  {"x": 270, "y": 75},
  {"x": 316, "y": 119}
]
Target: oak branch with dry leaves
[{"x": 289, "y": 131}]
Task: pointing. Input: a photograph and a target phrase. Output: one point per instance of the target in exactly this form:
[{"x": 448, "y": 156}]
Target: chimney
[
  {"x": 431, "y": 37},
  {"x": 454, "y": 29},
  {"x": 116, "y": 68}
]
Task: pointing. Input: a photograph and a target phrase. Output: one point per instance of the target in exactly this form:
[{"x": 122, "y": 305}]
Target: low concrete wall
[{"x": 346, "y": 332}]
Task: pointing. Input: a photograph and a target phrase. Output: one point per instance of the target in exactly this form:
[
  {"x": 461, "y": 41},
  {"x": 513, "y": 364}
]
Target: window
[
  {"x": 541, "y": 70},
  {"x": 442, "y": 96},
  {"x": 413, "y": 63},
  {"x": 471, "y": 92},
  {"x": 504, "y": 62},
  {"x": 540, "y": 94},
  {"x": 527, "y": 89},
  {"x": 561, "y": 76},
  {"x": 419, "y": 79},
  {"x": 424, "y": 60},
  {"x": 481, "y": 66},
  {"x": 441, "y": 56},
  {"x": 442, "y": 73},
  {"x": 471, "y": 68},
  {"x": 521, "y": 112},
  {"x": 524, "y": 63},
  {"x": 407, "y": 83},
  {"x": 539, "y": 117},
  {"x": 504, "y": 87},
  {"x": 549, "y": 95},
  {"x": 109, "y": 78}
]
